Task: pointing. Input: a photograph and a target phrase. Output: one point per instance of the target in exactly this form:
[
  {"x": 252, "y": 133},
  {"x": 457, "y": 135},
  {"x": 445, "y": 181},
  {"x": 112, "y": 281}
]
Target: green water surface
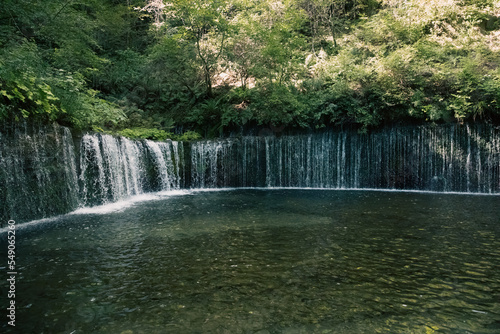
[{"x": 264, "y": 261}]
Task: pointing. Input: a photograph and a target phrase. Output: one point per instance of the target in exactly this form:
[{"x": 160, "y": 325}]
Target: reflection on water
[{"x": 266, "y": 261}]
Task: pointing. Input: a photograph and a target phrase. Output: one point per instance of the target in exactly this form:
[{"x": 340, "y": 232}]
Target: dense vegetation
[{"x": 150, "y": 68}]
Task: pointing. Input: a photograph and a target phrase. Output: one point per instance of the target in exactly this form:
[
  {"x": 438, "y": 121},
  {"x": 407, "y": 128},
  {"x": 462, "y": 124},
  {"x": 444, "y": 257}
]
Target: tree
[
  {"x": 271, "y": 46},
  {"x": 50, "y": 54},
  {"x": 335, "y": 16},
  {"x": 206, "y": 23}
]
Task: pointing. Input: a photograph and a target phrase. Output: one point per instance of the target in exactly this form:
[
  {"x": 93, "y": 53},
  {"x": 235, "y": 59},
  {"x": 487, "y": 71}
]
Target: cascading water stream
[
  {"x": 448, "y": 158},
  {"x": 42, "y": 176},
  {"x": 114, "y": 168},
  {"x": 38, "y": 174}
]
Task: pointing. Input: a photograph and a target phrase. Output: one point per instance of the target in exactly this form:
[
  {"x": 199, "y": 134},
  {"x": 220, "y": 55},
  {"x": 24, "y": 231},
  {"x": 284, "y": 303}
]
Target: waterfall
[
  {"x": 38, "y": 173},
  {"x": 43, "y": 173},
  {"x": 433, "y": 158},
  {"x": 167, "y": 175},
  {"x": 114, "y": 168}
]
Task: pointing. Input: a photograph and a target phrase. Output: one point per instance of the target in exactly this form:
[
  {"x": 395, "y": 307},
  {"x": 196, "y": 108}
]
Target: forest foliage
[{"x": 157, "y": 68}]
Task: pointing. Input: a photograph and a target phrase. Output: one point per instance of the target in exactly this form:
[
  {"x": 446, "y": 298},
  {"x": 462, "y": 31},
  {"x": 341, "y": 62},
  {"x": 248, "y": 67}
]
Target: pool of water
[{"x": 264, "y": 261}]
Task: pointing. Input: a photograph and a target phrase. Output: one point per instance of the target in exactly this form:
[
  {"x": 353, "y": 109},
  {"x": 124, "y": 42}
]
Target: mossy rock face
[
  {"x": 145, "y": 133},
  {"x": 157, "y": 134}
]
